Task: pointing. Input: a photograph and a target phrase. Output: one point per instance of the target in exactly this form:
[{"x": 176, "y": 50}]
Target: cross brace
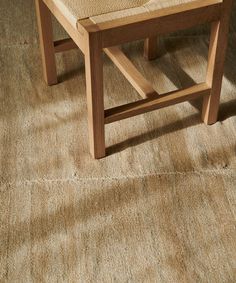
[{"x": 151, "y": 99}]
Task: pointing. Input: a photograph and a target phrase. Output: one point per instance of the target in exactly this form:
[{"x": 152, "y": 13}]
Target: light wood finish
[
  {"x": 150, "y": 104},
  {"x": 93, "y": 38},
  {"x": 142, "y": 86},
  {"x": 95, "y": 101},
  {"x": 191, "y": 8},
  {"x": 64, "y": 45},
  {"x": 158, "y": 22},
  {"x": 46, "y": 42},
  {"x": 150, "y": 48},
  {"x": 215, "y": 70},
  {"x": 77, "y": 35}
]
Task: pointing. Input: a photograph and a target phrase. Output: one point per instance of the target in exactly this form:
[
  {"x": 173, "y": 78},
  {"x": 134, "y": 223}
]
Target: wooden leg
[
  {"x": 151, "y": 48},
  {"x": 215, "y": 70},
  {"x": 46, "y": 42},
  {"x": 95, "y": 99}
]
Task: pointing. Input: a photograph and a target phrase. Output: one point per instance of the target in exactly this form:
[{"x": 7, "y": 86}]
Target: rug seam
[{"x": 227, "y": 172}]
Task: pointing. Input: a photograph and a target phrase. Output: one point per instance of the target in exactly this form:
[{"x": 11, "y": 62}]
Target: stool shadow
[
  {"x": 184, "y": 80},
  {"x": 227, "y": 110}
]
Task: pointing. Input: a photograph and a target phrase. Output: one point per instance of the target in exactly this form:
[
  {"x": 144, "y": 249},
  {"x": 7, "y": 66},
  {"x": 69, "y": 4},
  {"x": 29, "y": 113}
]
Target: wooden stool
[{"x": 94, "y": 27}]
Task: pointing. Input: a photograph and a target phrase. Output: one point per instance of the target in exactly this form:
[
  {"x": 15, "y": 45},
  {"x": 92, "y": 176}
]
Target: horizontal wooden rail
[
  {"x": 150, "y": 24},
  {"x": 136, "y": 79},
  {"x": 150, "y": 104},
  {"x": 78, "y": 37},
  {"x": 64, "y": 45},
  {"x": 190, "y": 8}
]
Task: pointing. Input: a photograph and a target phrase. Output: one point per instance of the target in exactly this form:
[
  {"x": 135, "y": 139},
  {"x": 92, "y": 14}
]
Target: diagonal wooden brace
[{"x": 136, "y": 79}]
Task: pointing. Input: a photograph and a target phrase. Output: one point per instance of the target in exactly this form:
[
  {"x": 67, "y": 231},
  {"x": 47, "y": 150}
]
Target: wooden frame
[{"x": 93, "y": 39}]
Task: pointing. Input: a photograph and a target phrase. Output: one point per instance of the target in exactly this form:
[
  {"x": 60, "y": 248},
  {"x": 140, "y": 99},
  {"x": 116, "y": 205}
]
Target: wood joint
[
  {"x": 134, "y": 77},
  {"x": 153, "y": 103}
]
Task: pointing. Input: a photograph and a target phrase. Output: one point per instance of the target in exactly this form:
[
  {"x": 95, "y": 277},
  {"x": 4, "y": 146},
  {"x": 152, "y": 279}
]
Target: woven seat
[
  {"x": 105, "y": 10},
  {"x": 97, "y": 26}
]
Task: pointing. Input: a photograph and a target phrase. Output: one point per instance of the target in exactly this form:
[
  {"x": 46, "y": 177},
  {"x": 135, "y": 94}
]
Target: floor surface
[{"x": 161, "y": 207}]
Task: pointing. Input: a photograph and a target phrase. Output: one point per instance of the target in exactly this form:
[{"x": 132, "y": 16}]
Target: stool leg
[
  {"x": 46, "y": 42},
  {"x": 95, "y": 99},
  {"x": 215, "y": 70},
  {"x": 151, "y": 48}
]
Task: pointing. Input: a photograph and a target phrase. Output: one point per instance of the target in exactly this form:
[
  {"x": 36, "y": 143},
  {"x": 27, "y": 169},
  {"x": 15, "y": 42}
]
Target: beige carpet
[{"x": 161, "y": 207}]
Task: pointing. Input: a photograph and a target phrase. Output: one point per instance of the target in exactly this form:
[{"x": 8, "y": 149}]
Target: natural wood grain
[
  {"x": 142, "y": 86},
  {"x": 150, "y": 24},
  {"x": 188, "y": 8},
  {"x": 78, "y": 37},
  {"x": 150, "y": 104},
  {"x": 215, "y": 70},
  {"x": 150, "y": 48},
  {"x": 92, "y": 38},
  {"x": 95, "y": 101},
  {"x": 46, "y": 42}
]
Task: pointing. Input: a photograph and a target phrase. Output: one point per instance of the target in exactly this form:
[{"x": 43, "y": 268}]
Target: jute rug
[{"x": 161, "y": 207}]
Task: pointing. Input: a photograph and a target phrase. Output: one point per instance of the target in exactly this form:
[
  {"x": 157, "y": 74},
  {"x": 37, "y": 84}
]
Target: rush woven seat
[
  {"x": 104, "y": 10},
  {"x": 102, "y": 26}
]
